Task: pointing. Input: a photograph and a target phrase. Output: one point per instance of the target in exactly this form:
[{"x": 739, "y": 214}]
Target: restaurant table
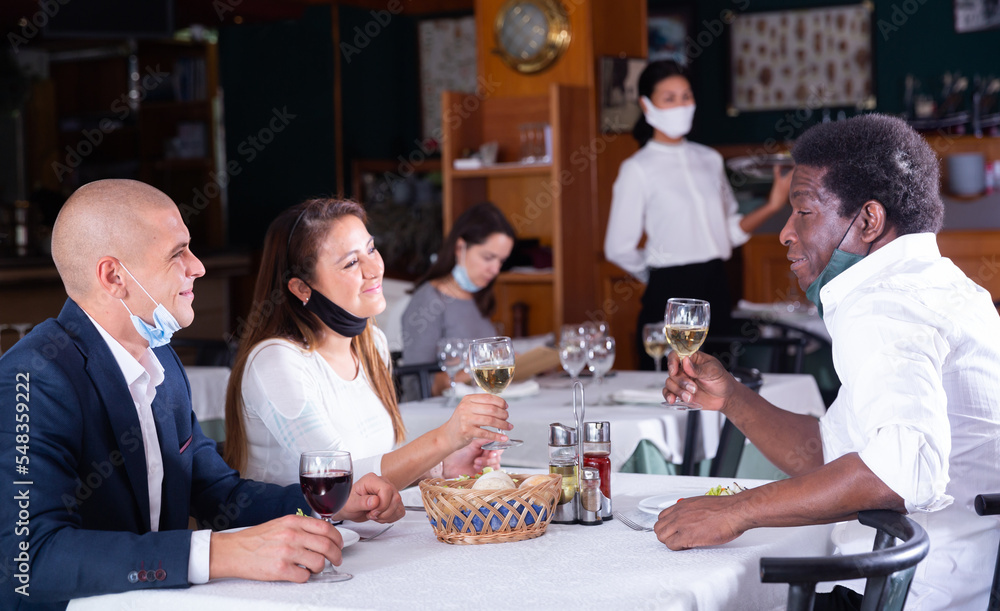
[
  {"x": 570, "y": 566},
  {"x": 630, "y": 424}
]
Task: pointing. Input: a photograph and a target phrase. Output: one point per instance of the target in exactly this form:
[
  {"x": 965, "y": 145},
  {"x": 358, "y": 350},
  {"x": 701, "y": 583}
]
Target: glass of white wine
[
  {"x": 687, "y": 326},
  {"x": 654, "y": 340},
  {"x": 492, "y": 363}
]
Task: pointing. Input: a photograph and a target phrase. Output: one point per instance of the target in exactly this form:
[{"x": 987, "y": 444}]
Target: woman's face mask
[{"x": 673, "y": 122}]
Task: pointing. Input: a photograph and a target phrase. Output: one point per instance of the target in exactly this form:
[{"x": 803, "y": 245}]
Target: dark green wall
[
  {"x": 380, "y": 85},
  {"x": 914, "y": 36},
  {"x": 266, "y": 68}
]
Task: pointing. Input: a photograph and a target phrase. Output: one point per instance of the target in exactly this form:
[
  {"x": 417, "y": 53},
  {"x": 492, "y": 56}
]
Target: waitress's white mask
[{"x": 674, "y": 122}]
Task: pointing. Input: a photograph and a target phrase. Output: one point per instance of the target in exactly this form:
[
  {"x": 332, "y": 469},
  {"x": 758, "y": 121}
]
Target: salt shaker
[
  {"x": 564, "y": 461},
  {"x": 597, "y": 454},
  {"x": 590, "y": 496}
]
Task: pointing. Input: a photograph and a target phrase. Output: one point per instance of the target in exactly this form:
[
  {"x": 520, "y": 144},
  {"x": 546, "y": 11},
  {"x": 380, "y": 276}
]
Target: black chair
[
  {"x": 423, "y": 372},
  {"x": 818, "y": 360},
  {"x": 731, "y": 439},
  {"x": 204, "y": 352},
  {"x": 888, "y": 568},
  {"x": 989, "y": 505},
  {"x": 769, "y": 354}
]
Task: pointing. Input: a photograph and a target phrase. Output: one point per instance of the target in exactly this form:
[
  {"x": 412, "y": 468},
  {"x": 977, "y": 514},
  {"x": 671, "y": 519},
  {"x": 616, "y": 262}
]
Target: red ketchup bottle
[{"x": 597, "y": 454}]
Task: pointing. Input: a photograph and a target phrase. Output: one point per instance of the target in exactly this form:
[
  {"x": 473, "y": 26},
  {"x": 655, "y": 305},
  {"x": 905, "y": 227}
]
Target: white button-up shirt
[
  {"x": 142, "y": 378},
  {"x": 679, "y": 196},
  {"x": 916, "y": 344}
]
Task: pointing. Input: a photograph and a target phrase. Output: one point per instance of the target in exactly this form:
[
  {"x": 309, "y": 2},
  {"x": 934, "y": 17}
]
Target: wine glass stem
[{"x": 658, "y": 365}]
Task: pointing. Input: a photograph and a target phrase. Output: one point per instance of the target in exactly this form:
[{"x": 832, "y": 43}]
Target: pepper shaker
[
  {"x": 590, "y": 496},
  {"x": 597, "y": 454}
]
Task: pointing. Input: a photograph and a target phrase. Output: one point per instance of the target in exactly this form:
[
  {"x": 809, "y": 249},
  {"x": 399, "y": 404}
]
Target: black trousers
[
  {"x": 706, "y": 281},
  {"x": 840, "y": 599}
]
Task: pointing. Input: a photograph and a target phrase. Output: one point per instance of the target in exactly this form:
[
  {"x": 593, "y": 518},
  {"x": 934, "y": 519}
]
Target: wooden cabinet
[
  {"x": 549, "y": 202},
  {"x": 766, "y": 277}
]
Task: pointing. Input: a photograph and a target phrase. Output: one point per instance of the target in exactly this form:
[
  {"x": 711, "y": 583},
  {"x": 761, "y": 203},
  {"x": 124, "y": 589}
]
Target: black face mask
[{"x": 337, "y": 318}]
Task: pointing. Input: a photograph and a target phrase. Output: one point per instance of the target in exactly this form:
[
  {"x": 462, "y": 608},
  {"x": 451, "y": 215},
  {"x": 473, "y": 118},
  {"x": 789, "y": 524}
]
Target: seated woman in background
[
  {"x": 455, "y": 297},
  {"x": 314, "y": 373}
]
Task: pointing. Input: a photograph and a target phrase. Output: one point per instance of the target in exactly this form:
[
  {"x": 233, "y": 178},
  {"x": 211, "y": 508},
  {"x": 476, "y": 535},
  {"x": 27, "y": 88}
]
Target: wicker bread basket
[{"x": 461, "y": 515}]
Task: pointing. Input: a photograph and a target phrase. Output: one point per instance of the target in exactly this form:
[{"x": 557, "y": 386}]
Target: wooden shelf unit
[{"x": 551, "y": 203}]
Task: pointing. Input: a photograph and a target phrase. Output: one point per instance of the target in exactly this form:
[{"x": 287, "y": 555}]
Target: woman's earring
[{"x": 305, "y": 301}]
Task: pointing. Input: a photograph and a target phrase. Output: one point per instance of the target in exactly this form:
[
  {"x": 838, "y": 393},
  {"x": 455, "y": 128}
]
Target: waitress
[{"x": 676, "y": 193}]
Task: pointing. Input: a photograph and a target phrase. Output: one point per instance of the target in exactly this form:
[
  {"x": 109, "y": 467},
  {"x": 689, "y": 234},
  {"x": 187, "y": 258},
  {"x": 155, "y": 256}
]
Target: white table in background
[
  {"x": 630, "y": 424},
  {"x": 573, "y": 567}
]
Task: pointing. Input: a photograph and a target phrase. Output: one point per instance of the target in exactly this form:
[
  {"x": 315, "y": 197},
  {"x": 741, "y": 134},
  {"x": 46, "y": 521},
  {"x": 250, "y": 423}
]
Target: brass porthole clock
[{"x": 531, "y": 34}]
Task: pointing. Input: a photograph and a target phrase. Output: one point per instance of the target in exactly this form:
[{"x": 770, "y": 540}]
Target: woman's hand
[
  {"x": 372, "y": 498},
  {"x": 703, "y": 380},
  {"x": 780, "y": 188},
  {"x": 471, "y": 459},
  {"x": 473, "y": 413}
]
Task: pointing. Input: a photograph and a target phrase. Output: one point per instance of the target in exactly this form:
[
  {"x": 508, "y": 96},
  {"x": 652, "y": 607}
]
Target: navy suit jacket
[{"x": 74, "y": 501}]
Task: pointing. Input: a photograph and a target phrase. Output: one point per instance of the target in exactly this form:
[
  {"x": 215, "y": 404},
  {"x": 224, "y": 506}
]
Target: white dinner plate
[
  {"x": 630, "y": 396},
  {"x": 350, "y": 537},
  {"x": 656, "y": 504},
  {"x": 516, "y": 390}
]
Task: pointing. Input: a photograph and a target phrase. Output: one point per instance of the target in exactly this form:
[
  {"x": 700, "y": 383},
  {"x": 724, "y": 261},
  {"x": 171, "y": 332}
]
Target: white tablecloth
[
  {"x": 630, "y": 424},
  {"x": 574, "y": 567}
]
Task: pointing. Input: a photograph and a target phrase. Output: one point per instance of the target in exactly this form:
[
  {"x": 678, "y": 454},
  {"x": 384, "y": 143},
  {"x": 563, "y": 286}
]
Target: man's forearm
[
  {"x": 836, "y": 491},
  {"x": 791, "y": 441}
]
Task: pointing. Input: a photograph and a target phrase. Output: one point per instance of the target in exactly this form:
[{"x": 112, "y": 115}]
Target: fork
[
  {"x": 370, "y": 537},
  {"x": 630, "y": 523}
]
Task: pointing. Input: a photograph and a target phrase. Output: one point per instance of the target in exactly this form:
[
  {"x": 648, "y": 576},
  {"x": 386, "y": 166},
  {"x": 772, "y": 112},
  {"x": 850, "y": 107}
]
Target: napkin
[
  {"x": 650, "y": 396},
  {"x": 516, "y": 390}
]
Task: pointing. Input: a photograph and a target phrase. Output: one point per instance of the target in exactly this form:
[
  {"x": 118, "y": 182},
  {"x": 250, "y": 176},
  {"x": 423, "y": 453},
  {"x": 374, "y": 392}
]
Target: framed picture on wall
[
  {"x": 447, "y": 63},
  {"x": 976, "y": 15},
  {"x": 620, "y": 93},
  {"x": 806, "y": 58},
  {"x": 668, "y": 35}
]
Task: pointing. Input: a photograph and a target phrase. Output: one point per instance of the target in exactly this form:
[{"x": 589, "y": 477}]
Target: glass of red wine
[{"x": 326, "y": 477}]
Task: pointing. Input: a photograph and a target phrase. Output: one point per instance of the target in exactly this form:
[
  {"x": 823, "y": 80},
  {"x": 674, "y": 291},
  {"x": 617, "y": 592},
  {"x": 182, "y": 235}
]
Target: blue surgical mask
[
  {"x": 165, "y": 323},
  {"x": 461, "y": 276},
  {"x": 839, "y": 262}
]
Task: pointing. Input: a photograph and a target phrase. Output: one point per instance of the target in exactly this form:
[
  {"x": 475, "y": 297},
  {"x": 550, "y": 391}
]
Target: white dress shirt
[
  {"x": 142, "y": 378},
  {"x": 295, "y": 402},
  {"x": 917, "y": 346},
  {"x": 679, "y": 196}
]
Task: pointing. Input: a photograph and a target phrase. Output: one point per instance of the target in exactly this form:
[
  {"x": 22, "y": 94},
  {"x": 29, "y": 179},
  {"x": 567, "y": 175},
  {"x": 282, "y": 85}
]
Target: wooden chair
[
  {"x": 888, "y": 568},
  {"x": 989, "y": 505}
]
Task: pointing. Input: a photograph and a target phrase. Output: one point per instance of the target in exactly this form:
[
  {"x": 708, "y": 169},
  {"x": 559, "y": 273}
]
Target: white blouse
[
  {"x": 295, "y": 402},
  {"x": 679, "y": 196}
]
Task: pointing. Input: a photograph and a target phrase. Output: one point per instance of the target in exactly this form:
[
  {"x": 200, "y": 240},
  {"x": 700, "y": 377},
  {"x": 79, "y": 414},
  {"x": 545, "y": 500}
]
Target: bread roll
[
  {"x": 534, "y": 480},
  {"x": 494, "y": 480}
]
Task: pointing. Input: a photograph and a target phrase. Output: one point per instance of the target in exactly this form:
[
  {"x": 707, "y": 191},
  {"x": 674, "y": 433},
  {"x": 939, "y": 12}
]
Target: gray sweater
[{"x": 431, "y": 316}]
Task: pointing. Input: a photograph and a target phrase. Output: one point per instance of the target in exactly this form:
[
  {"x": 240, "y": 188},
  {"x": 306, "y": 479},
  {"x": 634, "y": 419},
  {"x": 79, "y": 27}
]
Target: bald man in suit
[{"x": 96, "y": 425}]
